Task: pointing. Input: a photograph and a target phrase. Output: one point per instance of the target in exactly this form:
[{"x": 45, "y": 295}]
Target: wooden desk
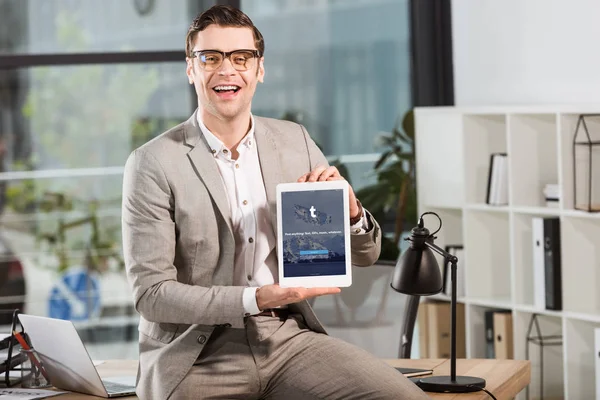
[{"x": 504, "y": 378}]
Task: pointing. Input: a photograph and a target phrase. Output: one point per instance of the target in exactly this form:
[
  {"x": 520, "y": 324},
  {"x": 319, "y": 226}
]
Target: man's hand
[
  {"x": 322, "y": 174},
  {"x": 271, "y": 296}
]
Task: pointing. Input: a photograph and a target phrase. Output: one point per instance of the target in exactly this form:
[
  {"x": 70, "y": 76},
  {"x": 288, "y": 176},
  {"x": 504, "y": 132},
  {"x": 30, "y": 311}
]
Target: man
[{"x": 199, "y": 241}]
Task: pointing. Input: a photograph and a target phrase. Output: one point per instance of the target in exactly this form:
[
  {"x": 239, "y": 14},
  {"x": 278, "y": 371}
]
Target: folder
[
  {"x": 435, "y": 330},
  {"x": 503, "y": 335}
]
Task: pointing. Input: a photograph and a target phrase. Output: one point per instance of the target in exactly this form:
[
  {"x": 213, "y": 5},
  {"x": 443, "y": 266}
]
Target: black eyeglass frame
[{"x": 225, "y": 54}]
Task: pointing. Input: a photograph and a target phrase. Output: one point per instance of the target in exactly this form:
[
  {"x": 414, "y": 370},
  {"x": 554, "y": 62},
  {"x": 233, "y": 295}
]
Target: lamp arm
[
  {"x": 449, "y": 257},
  {"x": 453, "y": 262}
]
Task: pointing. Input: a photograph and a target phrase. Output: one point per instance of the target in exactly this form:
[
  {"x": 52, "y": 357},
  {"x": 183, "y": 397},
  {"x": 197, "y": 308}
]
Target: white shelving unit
[{"x": 453, "y": 146}]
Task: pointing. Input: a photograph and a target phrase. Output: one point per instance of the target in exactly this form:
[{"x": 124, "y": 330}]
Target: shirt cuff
[
  {"x": 361, "y": 226},
  {"x": 249, "y": 301}
]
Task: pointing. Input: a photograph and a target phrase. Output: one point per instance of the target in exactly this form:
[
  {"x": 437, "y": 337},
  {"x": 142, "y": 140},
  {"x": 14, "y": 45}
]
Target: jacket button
[{"x": 201, "y": 339}]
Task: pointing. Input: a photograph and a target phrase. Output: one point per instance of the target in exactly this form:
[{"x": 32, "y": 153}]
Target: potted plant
[{"x": 393, "y": 196}]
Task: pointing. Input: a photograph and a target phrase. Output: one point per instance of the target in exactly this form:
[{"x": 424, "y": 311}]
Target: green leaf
[{"x": 408, "y": 124}]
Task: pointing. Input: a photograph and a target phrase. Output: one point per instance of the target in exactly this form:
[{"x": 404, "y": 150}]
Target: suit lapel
[
  {"x": 203, "y": 161},
  {"x": 269, "y": 165}
]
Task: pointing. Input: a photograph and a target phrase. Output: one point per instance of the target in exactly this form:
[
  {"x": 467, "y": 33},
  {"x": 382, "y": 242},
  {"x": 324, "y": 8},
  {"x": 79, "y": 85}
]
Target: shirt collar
[{"x": 217, "y": 146}]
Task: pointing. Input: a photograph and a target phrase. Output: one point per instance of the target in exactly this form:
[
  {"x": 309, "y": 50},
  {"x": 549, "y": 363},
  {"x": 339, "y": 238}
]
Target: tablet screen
[{"x": 313, "y": 233}]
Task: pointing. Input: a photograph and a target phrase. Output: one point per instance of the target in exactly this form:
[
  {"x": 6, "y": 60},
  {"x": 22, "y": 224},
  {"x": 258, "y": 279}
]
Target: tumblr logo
[{"x": 312, "y": 211}]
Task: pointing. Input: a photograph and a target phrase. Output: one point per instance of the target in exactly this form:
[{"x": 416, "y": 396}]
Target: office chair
[{"x": 408, "y": 325}]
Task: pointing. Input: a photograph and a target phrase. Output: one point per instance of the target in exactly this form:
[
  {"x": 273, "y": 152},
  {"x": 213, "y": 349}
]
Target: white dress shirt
[{"x": 255, "y": 262}]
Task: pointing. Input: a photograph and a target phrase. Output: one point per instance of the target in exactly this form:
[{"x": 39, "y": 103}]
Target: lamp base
[{"x": 444, "y": 384}]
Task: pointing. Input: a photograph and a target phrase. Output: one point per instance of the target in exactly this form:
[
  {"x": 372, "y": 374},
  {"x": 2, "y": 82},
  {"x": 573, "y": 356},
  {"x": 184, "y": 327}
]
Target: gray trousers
[{"x": 283, "y": 359}]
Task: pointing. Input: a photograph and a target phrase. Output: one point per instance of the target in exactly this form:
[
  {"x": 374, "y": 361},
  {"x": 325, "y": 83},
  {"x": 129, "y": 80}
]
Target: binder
[
  {"x": 503, "y": 335},
  {"x": 489, "y": 334},
  {"x": 539, "y": 275},
  {"x": 552, "y": 264}
]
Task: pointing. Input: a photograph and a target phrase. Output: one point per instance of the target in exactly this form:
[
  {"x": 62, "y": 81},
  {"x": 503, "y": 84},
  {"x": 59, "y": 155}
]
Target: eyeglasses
[{"x": 241, "y": 60}]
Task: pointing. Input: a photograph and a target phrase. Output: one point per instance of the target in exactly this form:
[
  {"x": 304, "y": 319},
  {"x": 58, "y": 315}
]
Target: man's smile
[{"x": 226, "y": 92}]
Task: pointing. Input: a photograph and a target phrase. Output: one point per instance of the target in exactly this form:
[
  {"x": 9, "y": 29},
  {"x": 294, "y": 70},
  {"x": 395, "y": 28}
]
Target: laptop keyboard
[{"x": 113, "y": 387}]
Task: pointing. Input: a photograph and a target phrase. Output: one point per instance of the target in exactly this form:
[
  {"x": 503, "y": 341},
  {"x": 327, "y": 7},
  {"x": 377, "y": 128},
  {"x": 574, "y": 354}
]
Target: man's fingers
[
  {"x": 331, "y": 172},
  {"x": 315, "y": 174},
  {"x": 321, "y": 174},
  {"x": 304, "y": 177},
  {"x": 313, "y": 292}
]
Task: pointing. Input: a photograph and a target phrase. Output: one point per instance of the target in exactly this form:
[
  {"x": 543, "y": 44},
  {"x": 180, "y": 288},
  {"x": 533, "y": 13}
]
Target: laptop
[{"x": 66, "y": 359}]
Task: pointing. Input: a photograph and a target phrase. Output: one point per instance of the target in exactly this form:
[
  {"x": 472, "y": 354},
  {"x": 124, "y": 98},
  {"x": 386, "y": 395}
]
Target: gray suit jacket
[{"x": 179, "y": 245}]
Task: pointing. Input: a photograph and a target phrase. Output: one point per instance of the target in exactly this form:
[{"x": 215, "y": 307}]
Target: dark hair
[{"x": 223, "y": 16}]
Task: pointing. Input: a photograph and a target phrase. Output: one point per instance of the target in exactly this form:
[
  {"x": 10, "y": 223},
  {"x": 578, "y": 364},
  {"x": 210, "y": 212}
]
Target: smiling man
[{"x": 199, "y": 243}]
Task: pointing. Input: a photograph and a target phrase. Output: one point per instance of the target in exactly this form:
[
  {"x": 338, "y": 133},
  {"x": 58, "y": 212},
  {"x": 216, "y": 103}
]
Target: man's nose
[{"x": 226, "y": 67}]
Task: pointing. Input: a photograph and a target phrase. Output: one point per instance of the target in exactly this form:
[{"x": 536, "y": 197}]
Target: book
[
  {"x": 409, "y": 372},
  {"x": 497, "y": 187}
]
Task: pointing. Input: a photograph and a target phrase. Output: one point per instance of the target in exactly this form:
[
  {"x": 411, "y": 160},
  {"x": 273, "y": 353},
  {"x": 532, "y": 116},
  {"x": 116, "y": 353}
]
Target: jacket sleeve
[
  {"x": 149, "y": 243},
  {"x": 366, "y": 247}
]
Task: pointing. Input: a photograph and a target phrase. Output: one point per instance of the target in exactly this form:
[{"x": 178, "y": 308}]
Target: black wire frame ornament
[
  {"x": 586, "y": 152},
  {"x": 542, "y": 341}
]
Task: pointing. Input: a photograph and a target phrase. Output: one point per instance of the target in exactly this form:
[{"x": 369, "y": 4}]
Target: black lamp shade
[{"x": 417, "y": 273}]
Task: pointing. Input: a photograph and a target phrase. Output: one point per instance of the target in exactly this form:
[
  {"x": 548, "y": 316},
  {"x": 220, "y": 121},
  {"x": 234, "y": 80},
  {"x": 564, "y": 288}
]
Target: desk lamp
[{"x": 417, "y": 273}]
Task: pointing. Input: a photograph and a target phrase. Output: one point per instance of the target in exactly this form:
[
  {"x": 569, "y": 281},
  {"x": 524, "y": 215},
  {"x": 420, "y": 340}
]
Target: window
[{"x": 341, "y": 68}]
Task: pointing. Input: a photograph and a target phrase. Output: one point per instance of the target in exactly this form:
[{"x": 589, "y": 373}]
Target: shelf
[
  {"x": 542, "y": 311},
  {"x": 580, "y": 247},
  {"x": 483, "y": 135},
  {"x": 487, "y": 256},
  {"x": 476, "y": 334},
  {"x": 581, "y": 214},
  {"x": 445, "y": 297},
  {"x": 434, "y": 206},
  {"x": 580, "y": 356},
  {"x": 553, "y": 356},
  {"x": 568, "y": 123},
  {"x": 584, "y": 317},
  {"x": 540, "y": 211},
  {"x": 533, "y": 157},
  {"x": 498, "y": 240},
  {"x": 499, "y": 303},
  {"x": 486, "y": 207}
]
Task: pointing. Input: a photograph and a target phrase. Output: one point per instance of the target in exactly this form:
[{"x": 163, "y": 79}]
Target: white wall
[{"x": 526, "y": 51}]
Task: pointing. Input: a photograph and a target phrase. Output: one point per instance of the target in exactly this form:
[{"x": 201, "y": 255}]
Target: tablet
[{"x": 313, "y": 234}]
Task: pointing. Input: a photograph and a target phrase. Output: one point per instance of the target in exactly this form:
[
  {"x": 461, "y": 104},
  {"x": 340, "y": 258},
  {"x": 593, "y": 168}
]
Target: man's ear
[
  {"x": 261, "y": 70},
  {"x": 189, "y": 69}
]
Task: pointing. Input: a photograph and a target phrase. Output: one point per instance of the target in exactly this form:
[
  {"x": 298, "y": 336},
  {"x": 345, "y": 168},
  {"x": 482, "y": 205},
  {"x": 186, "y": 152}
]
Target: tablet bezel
[{"x": 344, "y": 280}]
